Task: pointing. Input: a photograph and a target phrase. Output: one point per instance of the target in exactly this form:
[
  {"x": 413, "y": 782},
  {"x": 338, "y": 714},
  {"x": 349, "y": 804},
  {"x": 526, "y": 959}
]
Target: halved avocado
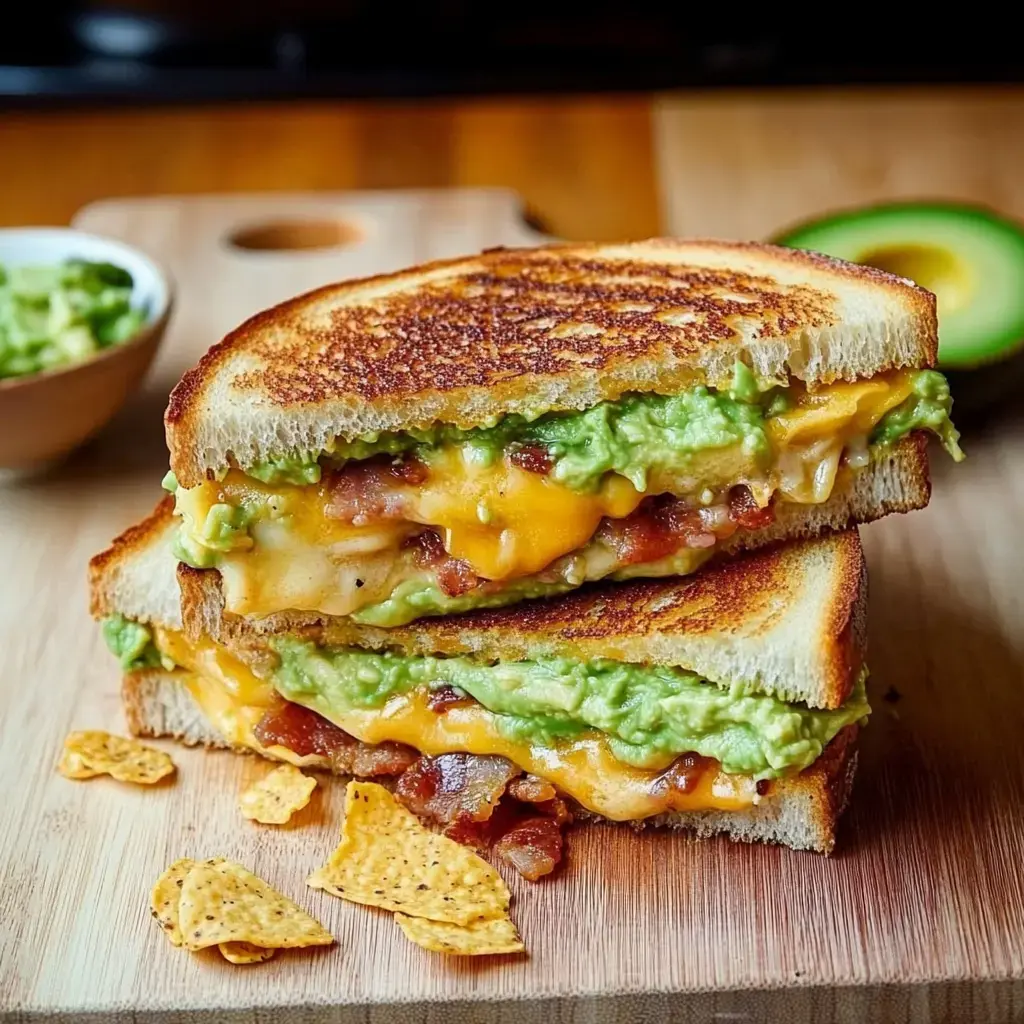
[{"x": 970, "y": 257}]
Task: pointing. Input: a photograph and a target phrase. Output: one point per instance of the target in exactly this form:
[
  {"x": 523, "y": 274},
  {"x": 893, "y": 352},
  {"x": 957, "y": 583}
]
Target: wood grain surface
[
  {"x": 920, "y": 915},
  {"x": 747, "y": 165},
  {"x": 583, "y": 165}
]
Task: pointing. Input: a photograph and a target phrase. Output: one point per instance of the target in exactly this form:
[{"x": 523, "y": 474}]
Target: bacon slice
[
  {"x": 454, "y": 576},
  {"x": 454, "y": 789},
  {"x": 367, "y": 491},
  {"x": 304, "y": 732},
  {"x": 663, "y": 525},
  {"x": 682, "y": 776},
  {"x": 533, "y": 847},
  {"x": 744, "y": 511},
  {"x": 485, "y": 801},
  {"x": 531, "y": 789},
  {"x": 446, "y": 697},
  {"x": 534, "y": 458}
]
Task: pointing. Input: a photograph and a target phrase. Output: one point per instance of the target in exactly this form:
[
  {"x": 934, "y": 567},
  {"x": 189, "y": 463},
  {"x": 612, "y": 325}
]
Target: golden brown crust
[
  {"x": 126, "y": 544},
  {"x": 508, "y": 320}
]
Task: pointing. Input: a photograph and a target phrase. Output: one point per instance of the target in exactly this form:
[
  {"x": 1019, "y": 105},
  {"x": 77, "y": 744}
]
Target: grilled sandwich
[
  {"x": 728, "y": 701},
  {"x": 471, "y": 433}
]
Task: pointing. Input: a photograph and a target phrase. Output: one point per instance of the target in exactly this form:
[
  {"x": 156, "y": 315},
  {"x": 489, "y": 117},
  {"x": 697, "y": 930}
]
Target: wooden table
[{"x": 947, "y": 614}]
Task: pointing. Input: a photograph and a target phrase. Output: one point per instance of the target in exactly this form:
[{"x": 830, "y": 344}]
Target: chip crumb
[
  {"x": 93, "y": 752},
  {"x": 277, "y": 796},
  {"x": 478, "y": 938},
  {"x": 387, "y": 858}
]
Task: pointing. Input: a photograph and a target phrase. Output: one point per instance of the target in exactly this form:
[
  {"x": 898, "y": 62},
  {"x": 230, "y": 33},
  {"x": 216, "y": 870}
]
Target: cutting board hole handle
[{"x": 296, "y": 235}]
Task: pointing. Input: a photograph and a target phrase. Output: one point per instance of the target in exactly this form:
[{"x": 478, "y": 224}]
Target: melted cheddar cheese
[
  {"x": 235, "y": 699},
  {"x": 504, "y": 521}
]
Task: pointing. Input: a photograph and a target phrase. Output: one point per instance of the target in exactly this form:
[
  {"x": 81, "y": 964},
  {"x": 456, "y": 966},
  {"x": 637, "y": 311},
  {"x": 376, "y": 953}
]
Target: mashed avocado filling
[
  {"x": 637, "y": 436},
  {"x": 132, "y": 644},
  {"x": 649, "y": 714}
]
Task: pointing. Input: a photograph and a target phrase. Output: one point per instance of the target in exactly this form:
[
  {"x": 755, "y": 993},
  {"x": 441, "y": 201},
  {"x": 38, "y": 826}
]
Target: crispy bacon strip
[
  {"x": 455, "y": 788},
  {"x": 304, "y": 732},
  {"x": 663, "y": 525},
  {"x": 683, "y": 776},
  {"x": 533, "y": 847},
  {"x": 531, "y": 790},
  {"x": 446, "y": 697},
  {"x": 372, "y": 489},
  {"x": 534, "y": 458},
  {"x": 485, "y": 801},
  {"x": 454, "y": 576}
]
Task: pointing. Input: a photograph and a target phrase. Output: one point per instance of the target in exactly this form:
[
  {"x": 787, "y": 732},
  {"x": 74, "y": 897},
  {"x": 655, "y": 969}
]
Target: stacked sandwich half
[{"x": 445, "y": 526}]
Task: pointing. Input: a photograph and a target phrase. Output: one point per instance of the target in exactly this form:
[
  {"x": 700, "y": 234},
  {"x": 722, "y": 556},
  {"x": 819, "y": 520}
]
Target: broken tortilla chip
[
  {"x": 388, "y": 859},
  {"x": 244, "y": 952},
  {"x": 91, "y": 753},
  {"x": 277, "y": 796},
  {"x": 477, "y": 938},
  {"x": 225, "y": 902}
]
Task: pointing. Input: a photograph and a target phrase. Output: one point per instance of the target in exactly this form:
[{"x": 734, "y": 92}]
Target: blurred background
[
  {"x": 603, "y": 116},
  {"x": 602, "y": 120}
]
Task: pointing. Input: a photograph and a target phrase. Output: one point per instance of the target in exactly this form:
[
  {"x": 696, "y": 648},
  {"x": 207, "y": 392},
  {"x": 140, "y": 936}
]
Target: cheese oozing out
[
  {"x": 506, "y": 522},
  {"x": 584, "y": 768}
]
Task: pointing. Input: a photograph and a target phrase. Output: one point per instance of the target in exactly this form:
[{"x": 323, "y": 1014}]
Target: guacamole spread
[
  {"x": 649, "y": 714},
  {"x": 637, "y": 436},
  {"x": 52, "y": 315},
  {"x": 132, "y": 644}
]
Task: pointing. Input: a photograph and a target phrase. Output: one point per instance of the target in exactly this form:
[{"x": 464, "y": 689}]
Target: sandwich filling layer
[
  {"x": 613, "y": 736},
  {"x": 392, "y": 527}
]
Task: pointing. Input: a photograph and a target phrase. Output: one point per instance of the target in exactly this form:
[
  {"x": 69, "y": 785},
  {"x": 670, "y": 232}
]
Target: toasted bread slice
[
  {"x": 802, "y": 812},
  {"x": 135, "y": 576},
  {"x": 528, "y": 331}
]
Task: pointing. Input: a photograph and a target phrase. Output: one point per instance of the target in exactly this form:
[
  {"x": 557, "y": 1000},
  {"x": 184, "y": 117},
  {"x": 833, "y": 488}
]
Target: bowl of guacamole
[{"x": 81, "y": 318}]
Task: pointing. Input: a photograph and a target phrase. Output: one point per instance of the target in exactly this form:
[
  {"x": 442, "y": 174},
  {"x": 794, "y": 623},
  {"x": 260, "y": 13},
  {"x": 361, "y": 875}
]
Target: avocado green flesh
[
  {"x": 132, "y": 644},
  {"x": 649, "y": 714},
  {"x": 63, "y": 313},
  {"x": 973, "y": 259}
]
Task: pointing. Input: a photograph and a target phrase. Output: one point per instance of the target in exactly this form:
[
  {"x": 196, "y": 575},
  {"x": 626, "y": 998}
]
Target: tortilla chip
[
  {"x": 166, "y": 895},
  {"x": 387, "y": 859},
  {"x": 87, "y": 754},
  {"x": 277, "y": 796},
  {"x": 475, "y": 939},
  {"x": 225, "y": 902},
  {"x": 244, "y": 952}
]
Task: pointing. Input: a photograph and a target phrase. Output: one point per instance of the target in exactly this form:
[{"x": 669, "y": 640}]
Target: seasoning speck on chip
[
  {"x": 388, "y": 859},
  {"x": 226, "y": 903},
  {"x": 277, "y": 796},
  {"x": 244, "y": 952},
  {"x": 91, "y": 753},
  {"x": 477, "y": 938}
]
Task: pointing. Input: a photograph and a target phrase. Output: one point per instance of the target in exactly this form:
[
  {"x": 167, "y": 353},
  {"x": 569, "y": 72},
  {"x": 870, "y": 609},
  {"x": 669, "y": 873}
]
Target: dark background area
[{"x": 188, "y": 50}]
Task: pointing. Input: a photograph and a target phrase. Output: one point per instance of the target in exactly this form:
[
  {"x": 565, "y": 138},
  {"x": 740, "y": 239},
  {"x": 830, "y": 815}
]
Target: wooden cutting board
[{"x": 920, "y": 914}]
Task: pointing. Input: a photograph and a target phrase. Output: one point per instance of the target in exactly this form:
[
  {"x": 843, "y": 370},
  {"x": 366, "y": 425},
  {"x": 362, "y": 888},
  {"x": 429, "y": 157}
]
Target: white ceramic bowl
[{"x": 44, "y": 416}]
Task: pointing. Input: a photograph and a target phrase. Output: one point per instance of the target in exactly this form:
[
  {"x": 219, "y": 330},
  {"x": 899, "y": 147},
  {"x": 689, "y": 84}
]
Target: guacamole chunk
[
  {"x": 928, "y": 408},
  {"x": 649, "y": 714},
  {"x": 53, "y": 315},
  {"x": 132, "y": 644}
]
